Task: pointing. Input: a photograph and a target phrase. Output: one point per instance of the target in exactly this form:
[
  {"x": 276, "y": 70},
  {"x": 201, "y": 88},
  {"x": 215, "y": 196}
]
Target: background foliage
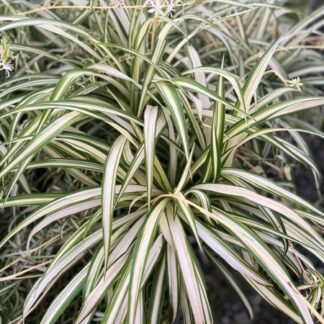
[{"x": 143, "y": 142}]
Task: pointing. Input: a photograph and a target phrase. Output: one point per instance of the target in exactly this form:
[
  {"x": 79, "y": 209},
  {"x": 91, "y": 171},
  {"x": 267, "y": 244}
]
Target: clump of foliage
[{"x": 139, "y": 138}]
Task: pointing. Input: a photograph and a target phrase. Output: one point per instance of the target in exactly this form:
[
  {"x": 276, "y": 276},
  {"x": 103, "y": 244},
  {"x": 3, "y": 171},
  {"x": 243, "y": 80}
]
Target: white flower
[
  {"x": 155, "y": 7},
  {"x": 6, "y": 66},
  {"x": 159, "y": 7},
  {"x": 295, "y": 83},
  {"x": 170, "y": 6}
]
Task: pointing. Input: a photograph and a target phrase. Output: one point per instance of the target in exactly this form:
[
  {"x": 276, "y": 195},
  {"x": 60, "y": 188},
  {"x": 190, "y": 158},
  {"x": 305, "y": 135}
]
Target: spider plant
[{"x": 142, "y": 139}]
